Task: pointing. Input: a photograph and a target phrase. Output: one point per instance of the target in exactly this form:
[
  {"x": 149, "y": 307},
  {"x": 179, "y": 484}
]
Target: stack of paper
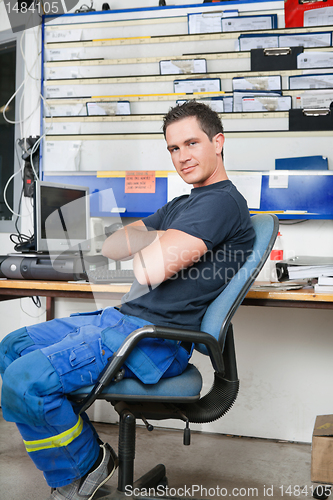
[
  {"x": 299, "y": 272},
  {"x": 285, "y": 286},
  {"x": 313, "y": 267},
  {"x": 325, "y": 284}
]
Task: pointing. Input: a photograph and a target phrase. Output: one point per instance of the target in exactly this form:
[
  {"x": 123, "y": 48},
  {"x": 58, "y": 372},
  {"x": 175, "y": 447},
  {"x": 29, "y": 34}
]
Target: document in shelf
[
  {"x": 319, "y": 17},
  {"x": 263, "y": 83},
  {"x": 61, "y": 156},
  {"x": 306, "y": 40},
  {"x": 240, "y": 94},
  {"x": 314, "y": 99},
  {"x": 68, "y": 109},
  {"x": 267, "y": 103},
  {"x": 190, "y": 86},
  {"x": 249, "y": 23},
  {"x": 215, "y": 103},
  {"x": 315, "y": 60},
  {"x": 314, "y": 81},
  {"x": 228, "y": 103},
  {"x": 183, "y": 66},
  {"x": 108, "y": 108},
  {"x": 248, "y": 42},
  {"x": 52, "y": 34},
  {"x": 208, "y": 22}
]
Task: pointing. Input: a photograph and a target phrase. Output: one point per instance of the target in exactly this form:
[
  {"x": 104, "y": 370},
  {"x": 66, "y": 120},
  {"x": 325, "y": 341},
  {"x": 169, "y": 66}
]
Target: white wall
[{"x": 284, "y": 355}]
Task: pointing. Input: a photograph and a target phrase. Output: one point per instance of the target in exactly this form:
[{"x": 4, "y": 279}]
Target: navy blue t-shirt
[{"x": 217, "y": 214}]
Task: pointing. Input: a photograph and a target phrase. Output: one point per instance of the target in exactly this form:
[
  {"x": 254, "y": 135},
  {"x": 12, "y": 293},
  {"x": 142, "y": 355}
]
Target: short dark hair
[{"x": 208, "y": 119}]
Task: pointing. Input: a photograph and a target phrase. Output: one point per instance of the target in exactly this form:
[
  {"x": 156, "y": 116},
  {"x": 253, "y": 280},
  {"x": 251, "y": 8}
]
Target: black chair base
[{"x": 151, "y": 479}]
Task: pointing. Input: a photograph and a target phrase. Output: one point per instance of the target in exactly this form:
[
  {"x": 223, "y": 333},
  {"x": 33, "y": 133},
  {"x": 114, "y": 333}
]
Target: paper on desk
[
  {"x": 284, "y": 286},
  {"x": 306, "y": 40},
  {"x": 307, "y": 81},
  {"x": 318, "y": 17},
  {"x": 249, "y": 185},
  {"x": 315, "y": 60}
]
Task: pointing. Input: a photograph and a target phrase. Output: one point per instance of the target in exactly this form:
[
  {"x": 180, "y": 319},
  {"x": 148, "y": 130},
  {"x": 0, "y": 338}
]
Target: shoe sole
[{"x": 116, "y": 463}]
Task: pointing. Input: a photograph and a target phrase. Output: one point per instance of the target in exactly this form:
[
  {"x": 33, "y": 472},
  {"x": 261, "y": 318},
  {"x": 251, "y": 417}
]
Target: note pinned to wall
[
  {"x": 176, "y": 186},
  {"x": 249, "y": 185},
  {"x": 278, "y": 181},
  {"x": 140, "y": 182}
]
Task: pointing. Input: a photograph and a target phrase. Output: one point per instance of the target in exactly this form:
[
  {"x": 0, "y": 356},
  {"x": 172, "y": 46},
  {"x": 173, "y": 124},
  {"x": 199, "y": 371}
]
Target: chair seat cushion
[{"x": 183, "y": 388}]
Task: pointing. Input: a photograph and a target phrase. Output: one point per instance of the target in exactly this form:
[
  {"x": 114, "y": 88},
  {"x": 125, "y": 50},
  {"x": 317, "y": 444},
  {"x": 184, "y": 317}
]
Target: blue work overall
[{"x": 40, "y": 364}]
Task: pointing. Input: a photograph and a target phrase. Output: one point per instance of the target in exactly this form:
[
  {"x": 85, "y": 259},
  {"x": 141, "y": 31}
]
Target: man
[{"x": 184, "y": 254}]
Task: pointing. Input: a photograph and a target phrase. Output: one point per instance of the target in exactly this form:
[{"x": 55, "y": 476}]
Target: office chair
[{"x": 179, "y": 397}]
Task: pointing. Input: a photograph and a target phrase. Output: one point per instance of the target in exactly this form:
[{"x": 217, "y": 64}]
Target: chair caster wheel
[{"x": 322, "y": 492}]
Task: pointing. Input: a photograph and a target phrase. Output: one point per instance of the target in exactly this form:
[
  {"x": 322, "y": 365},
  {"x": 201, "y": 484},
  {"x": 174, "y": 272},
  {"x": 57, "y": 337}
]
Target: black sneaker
[{"x": 85, "y": 488}]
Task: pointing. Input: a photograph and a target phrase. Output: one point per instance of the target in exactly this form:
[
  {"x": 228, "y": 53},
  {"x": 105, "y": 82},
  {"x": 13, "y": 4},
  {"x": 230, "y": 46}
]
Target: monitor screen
[{"x": 62, "y": 218}]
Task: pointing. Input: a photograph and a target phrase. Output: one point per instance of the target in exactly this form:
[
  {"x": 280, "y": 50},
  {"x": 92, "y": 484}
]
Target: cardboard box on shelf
[{"x": 322, "y": 450}]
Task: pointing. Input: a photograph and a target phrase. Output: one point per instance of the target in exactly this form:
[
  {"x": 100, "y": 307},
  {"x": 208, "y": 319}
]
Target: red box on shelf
[{"x": 294, "y": 10}]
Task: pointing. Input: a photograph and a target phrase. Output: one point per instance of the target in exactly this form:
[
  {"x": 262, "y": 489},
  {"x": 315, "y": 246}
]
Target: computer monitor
[{"x": 61, "y": 218}]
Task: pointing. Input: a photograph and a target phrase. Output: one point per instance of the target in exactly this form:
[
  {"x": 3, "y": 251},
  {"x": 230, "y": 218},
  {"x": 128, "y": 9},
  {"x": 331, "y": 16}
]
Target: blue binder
[{"x": 302, "y": 163}]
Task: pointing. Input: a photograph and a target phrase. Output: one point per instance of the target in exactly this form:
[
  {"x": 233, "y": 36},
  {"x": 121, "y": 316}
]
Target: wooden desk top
[
  {"x": 61, "y": 286},
  {"x": 304, "y": 297},
  {"x": 304, "y": 294}
]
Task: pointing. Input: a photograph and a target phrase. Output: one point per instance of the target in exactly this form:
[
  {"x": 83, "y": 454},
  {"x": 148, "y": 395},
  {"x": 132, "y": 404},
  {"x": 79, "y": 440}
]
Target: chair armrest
[{"x": 152, "y": 331}]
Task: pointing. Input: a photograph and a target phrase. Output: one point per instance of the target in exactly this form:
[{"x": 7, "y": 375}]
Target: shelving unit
[{"x": 102, "y": 58}]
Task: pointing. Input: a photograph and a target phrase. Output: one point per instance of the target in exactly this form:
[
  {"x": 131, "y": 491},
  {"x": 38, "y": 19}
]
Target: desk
[
  {"x": 15, "y": 289},
  {"x": 18, "y": 289},
  {"x": 305, "y": 297}
]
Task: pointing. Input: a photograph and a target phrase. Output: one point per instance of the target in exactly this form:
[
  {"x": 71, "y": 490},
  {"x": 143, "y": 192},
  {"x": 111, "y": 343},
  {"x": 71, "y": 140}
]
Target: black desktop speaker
[
  {"x": 41, "y": 268},
  {"x": 2, "y": 259}
]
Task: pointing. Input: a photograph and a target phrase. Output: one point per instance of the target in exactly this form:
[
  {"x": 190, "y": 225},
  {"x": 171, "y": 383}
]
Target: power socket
[
  {"x": 28, "y": 181},
  {"x": 28, "y": 173}
]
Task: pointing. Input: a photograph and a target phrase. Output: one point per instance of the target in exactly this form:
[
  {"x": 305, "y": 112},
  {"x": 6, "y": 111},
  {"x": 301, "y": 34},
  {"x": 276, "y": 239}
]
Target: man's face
[{"x": 197, "y": 159}]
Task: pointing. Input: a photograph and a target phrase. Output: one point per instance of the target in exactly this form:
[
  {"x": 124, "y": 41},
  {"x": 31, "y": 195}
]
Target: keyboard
[{"x": 103, "y": 275}]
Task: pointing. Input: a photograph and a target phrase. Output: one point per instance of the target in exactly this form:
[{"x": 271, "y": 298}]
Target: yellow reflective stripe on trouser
[{"x": 62, "y": 439}]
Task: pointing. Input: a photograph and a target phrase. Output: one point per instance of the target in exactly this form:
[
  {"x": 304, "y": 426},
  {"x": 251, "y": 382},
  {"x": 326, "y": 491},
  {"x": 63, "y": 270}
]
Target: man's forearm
[{"x": 128, "y": 241}]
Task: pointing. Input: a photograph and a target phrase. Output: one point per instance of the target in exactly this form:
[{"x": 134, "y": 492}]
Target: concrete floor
[{"x": 217, "y": 465}]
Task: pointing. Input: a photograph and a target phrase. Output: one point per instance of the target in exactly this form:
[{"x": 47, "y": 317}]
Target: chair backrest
[{"x": 219, "y": 313}]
